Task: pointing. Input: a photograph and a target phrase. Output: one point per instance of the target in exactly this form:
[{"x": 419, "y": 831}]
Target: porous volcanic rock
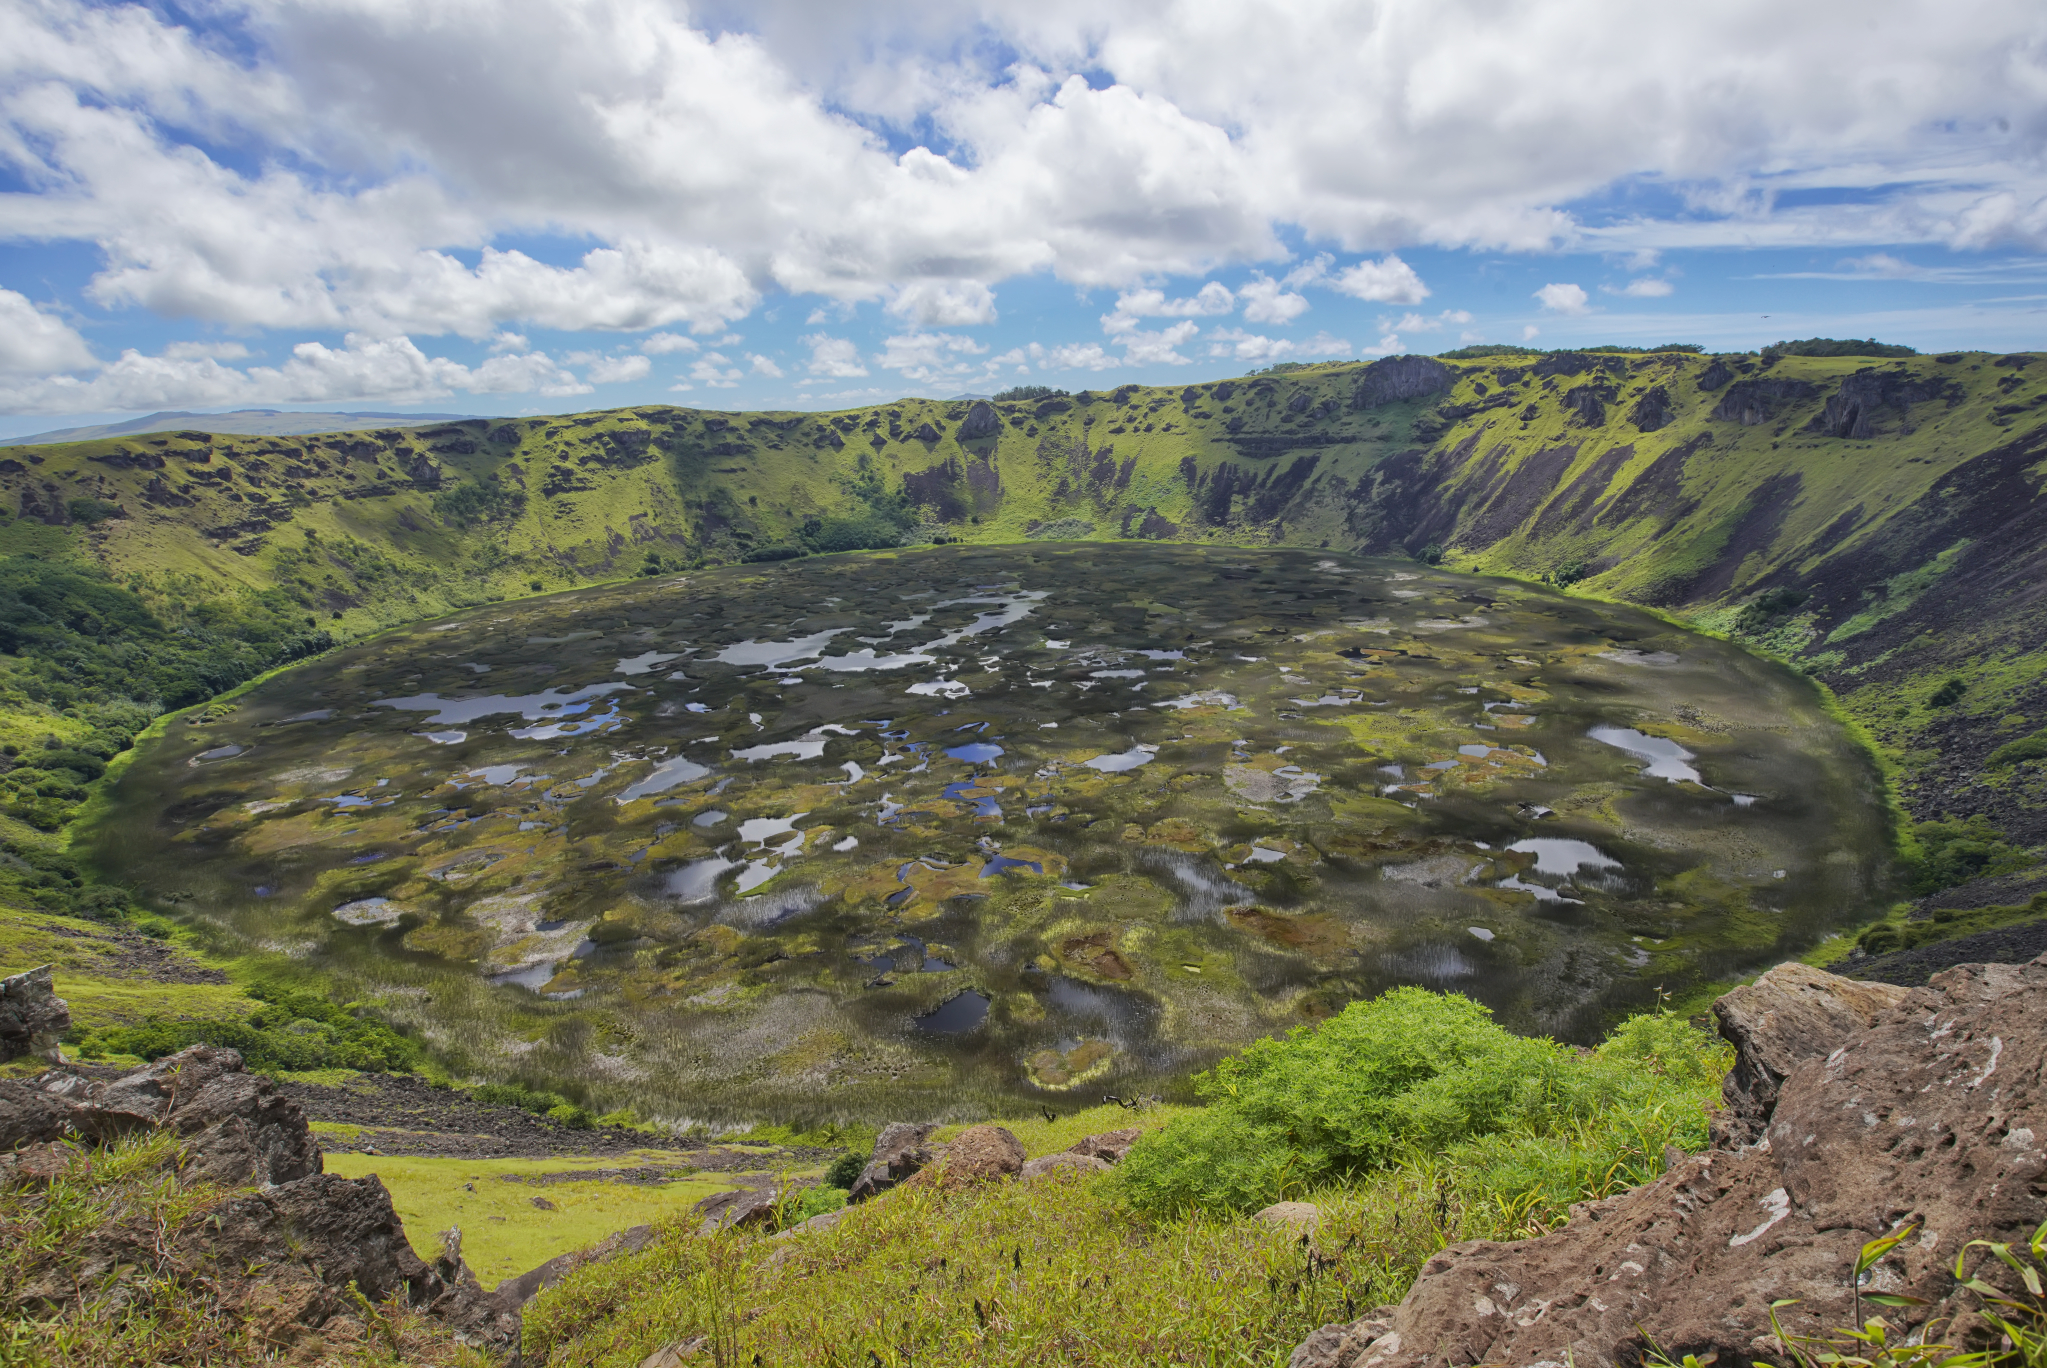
[
  {"x": 1794, "y": 1012},
  {"x": 32, "y": 1017},
  {"x": 284, "y": 1255},
  {"x": 1933, "y": 1116},
  {"x": 240, "y": 1128},
  {"x": 740, "y": 1207},
  {"x": 514, "y": 1293},
  {"x": 1109, "y": 1146},
  {"x": 899, "y": 1151},
  {"x": 1064, "y": 1162},
  {"x": 981, "y": 1154}
]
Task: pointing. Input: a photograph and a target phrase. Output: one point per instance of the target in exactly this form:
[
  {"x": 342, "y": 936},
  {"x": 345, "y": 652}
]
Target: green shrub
[
  {"x": 1954, "y": 852},
  {"x": 517, "y": 1095},
  {"x": 841, "y": 1172},
  {"x": 866, "y": 532},
  {"x": 1834, "y": 346},
  {"x": 811, "y": 1202},
  {"x": 571, "y": 1117},
  {"x": 775, "y": 552},
  {"x": 90, "y": 511},
  {"x": 1949, "y": 693},
  {"x": 1416, "y": 1073},
  {"x": 2032, "y": 747},
  {"x": 485, "y": 501},
  {"x": 293, "y": 1031}
]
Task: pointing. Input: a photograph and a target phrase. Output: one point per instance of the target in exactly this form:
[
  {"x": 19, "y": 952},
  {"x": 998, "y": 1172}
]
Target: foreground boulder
[
  {"x": 981, "y": 1154},
  {"x": 32, "y": 1017},
  {"x": 282, "y": 1257},
  {"x": 1933, "y": 1114},
  {"x": 901, "y": 1150}
]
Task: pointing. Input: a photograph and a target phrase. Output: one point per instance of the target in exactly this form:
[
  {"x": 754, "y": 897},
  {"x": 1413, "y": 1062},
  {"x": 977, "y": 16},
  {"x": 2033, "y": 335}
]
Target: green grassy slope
[{"x": 1874, "y": 520}]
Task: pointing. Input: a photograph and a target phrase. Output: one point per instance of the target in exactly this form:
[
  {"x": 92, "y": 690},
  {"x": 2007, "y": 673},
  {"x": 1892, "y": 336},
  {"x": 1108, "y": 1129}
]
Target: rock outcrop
[
  {"x": 981, "y": 1154},
  {"x": 900, "y": 1151},
  {"x": 1401, "y": 377},
  {"x": 981, "y": 421},
  {"x": 239, "y": 1128},
  {"x": 1109, "y": 1146},
  {"x": 32, "y": 1017},
  {"x": 1932, "y": 1115},
  {"x": 285, "y": 1254},
  {"x": 1064, "y": 1162}
]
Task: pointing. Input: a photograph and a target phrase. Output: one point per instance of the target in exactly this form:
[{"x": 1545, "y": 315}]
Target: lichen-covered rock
[
  {"x": 32, "y": 1017},
  {"x": 1934, "y": 1116},
  {"x": 1794, "y": 1012},
  {"x": 1109, "y": 1146},
  {"x": 899, "y": 1151},
  {"x": 291, "y": 1254},
  {"x": 1066, "y": 1162},
  {"x": 1302, "y": 1218},
  {"x": 239, "y": 1128},
  {"x": 981, "y": 1154},
  {"x": 740, "y": 1207}
]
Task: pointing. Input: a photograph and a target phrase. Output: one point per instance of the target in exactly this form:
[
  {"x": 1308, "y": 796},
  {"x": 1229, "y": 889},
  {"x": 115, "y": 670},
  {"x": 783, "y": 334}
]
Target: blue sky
[{"x": 509, "y": 206}]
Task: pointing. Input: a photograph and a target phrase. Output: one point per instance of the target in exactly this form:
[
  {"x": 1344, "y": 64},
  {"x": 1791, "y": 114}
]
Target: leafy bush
[
  {"x": 863, "y": 532},
  {"x": 842, "y": 1171},
  {"x": 516, "y": 1095},
  {"x": 1949, "y": 693},
  {"x": 1765, "y": 608},
  {"x": 484, "y": 501},
  {"x": 1954, "y": 852},
  {"x": 292, "y": 1031},
  {"x": 775, "y": 552},
  {"x": 2032, "y": 747},
  {"x": 1834, "y": 346},
  {"x": 1945, "y": 923},
  {"x": 90, "y": 511},
  {"x": 571, "y": 1117},
  {"x": 815, "y": 1201},
  {"x": 1419, "y": 1073},
  {"x": 1485, "y": 351}
]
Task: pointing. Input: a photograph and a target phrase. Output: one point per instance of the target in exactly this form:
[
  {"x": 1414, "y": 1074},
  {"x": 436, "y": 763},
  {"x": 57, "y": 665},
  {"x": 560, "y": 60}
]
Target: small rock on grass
[
  {"x": 1068, "y": 1162},
  {"x": 1303, "y": 1218},
  {"x": 674, "y": 1355},
  {"x": 1109, "y": 1146}
]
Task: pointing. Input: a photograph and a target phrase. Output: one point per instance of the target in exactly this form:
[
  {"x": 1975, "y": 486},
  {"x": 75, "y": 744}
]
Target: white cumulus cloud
[
  {"x": 1562, "y": 298},
  {"x": 1386, "y": 281},
  {"x": 35, "y": 343}
]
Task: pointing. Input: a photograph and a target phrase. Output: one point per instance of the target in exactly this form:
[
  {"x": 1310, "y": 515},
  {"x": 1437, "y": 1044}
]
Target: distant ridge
[{"x": 241, "y": 423}]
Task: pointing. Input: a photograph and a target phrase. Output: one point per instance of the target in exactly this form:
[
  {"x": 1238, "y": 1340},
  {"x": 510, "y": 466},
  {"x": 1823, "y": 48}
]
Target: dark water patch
[{"x": 957, "y": 1015}]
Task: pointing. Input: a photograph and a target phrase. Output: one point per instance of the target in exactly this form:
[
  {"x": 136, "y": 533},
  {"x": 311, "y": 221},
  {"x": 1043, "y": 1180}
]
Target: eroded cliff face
[{"x": 1857, "y": 1109}]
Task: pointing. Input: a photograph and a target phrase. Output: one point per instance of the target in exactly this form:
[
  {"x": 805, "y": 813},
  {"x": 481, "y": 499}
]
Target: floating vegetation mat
[{"x": 945, "y": 829}]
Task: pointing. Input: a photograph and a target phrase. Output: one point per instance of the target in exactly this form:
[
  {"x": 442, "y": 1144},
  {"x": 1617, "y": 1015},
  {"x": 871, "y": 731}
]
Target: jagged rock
[
  {"x": 981, "y": 421},
  {"x": 1064, "y": 1162},
  {"x": 981, "y": 1154},
  {"x": 51, "y": 510},
  {"x": 1109, "y": 1146},
  {"x": 1299, "y": 403},
  {"x": 32, "y": 1017},
  {"x": 288, "y": 1252},
  {"x": 1792, "y": 1013},
  {"x": 423, "y": 472},
  {"x": 1302, "y": 1218},
  {"x": 239, "y": 1127},
  {"x": 1852, "y": 409},
  {"x": 816, "y": 1225},
  {"x": 1401, "y": 377},
  {"x": 1588, "y": 402},
  {"x": 1755, "y": 402},
  {"x": 513, "y": 1293},
  {"x": 899, "y": 1151},
  {"x": 1933, "y": 1116},
  {"x": 927, "y": 433},
  {"x": 675, "y": 1353},
  {"x": 1653, "y": 410},
  {"x": 1715, "y": 375},
  {"x": 740, "y": 1207}
]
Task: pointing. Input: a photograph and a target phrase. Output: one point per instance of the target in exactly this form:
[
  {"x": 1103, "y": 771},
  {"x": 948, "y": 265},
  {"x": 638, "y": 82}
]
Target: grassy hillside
[{"x": 1873, "y": 519}]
